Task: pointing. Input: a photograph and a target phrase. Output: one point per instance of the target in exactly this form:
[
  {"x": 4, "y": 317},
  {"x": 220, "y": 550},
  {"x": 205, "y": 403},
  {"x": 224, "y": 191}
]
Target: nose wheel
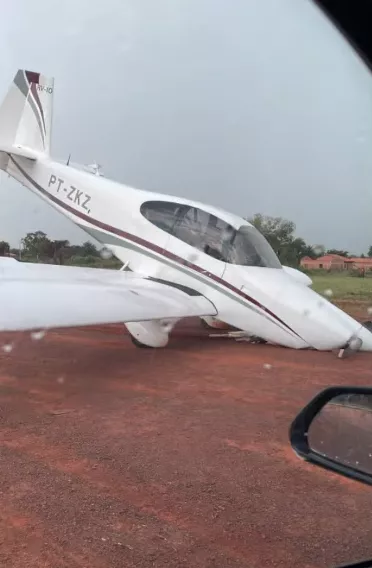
[{"x": 352, "y": 346}]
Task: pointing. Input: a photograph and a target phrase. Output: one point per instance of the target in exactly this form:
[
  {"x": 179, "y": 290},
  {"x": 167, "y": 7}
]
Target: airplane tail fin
[{"x": 26, "y": 115}]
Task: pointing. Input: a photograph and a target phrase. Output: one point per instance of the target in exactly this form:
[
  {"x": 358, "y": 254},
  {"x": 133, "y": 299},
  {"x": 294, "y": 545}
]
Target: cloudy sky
[{"x": 252, "y": 105}]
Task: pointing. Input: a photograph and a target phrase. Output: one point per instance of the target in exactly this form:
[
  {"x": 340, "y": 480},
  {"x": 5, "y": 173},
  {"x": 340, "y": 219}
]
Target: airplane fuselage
[{"x": 253, "y": 294}]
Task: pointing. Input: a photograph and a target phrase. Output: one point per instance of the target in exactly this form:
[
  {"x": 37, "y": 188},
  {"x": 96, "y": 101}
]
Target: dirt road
[{"x": 112, "y": 456}]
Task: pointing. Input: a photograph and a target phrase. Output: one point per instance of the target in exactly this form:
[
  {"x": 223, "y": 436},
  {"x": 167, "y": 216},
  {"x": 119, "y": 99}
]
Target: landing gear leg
[{"x": 352, "y": 347}]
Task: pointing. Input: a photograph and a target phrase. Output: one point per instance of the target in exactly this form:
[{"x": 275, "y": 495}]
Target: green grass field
[{"x": 343, "y": 287}]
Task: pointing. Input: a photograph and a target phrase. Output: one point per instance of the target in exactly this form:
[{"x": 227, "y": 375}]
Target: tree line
[
  {"x": 279, "y": 232},
  {"x": 38, "y": 247}
]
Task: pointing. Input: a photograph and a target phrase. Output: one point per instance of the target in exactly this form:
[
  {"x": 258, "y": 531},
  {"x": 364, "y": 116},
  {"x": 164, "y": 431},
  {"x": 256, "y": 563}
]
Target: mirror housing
[{"x": 348, "y": 412}]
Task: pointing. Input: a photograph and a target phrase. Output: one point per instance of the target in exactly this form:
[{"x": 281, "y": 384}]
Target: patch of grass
[
  {"x": 344, "y": 287},
  {"x": 84, "y": 261}
]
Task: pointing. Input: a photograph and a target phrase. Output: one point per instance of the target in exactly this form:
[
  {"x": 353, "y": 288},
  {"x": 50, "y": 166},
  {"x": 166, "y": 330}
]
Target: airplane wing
[{"x": 42, "y": 296}]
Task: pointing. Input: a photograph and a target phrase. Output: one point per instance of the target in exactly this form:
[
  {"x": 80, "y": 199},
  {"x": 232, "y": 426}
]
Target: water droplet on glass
[
  {"x": 318, "y": 249},
  {"x": 306, "y": 313},
  {"x": 105, "y": 254},
  {"x": 37, "y": 335},
  {"x": 369, "y": 311},
  {"x": 61, "y": 380},
  {"x": 8, "y": 347},
  {"x": 328, "y": 292},
  {"x": 268, "y": 366},
  {"x": 192, "y": 257}
]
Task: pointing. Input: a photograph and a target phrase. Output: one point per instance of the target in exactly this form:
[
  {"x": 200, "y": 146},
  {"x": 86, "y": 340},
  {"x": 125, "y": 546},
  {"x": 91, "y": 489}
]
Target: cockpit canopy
[{"x": 213, "y": 236}]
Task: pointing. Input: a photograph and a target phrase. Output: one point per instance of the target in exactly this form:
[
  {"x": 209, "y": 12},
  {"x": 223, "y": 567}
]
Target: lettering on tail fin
[{"x": 44, "y": 89}]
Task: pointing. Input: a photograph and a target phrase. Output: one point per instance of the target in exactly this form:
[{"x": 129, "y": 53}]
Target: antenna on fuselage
[{"x": 68, "y": 161}]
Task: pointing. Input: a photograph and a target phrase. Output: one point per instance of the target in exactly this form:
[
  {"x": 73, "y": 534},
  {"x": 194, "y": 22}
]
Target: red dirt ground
[{"x": 112, "y": 456}]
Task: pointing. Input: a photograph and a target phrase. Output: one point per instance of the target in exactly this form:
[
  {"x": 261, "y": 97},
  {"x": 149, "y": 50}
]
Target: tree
[
  {"x": 58, "y": 250},
  {"x": 88, "y": 249},
  {"x": 292, "y": 252},
  {"x": 319, "y": 250},
  {"x": 370, "y": 251},
  {"x": 279, "y": 233},
  {"x": 313, "y": 251},
  {"x": 37, "y": 245},
  {"x": 337, "y": 251},
  {"x": 4, "y": 248}
]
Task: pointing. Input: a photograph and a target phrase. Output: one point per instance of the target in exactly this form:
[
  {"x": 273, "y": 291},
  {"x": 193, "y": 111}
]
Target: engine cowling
[{"x": 151, "y": 333}]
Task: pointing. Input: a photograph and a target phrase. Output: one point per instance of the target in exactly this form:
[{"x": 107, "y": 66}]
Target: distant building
[
  {"x": 336, "y": 262},
  {"x": 326, "y": 262},
  {"x": 358, "y": 263}
]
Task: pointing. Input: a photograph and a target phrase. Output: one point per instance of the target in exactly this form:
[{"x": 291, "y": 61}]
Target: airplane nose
[
  {"x": 324, "y": 326},
  {"x": 308, "y": 320},
  {"x": 315, "y": 322},
  {"x": 359, "y": 331},
  {"x": 321, "y": 324},
  {"x": 366, "y": 336}
]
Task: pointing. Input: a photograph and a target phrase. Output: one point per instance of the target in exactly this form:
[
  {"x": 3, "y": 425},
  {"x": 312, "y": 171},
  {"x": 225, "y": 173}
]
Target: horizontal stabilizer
[{"x": 20, "y": 151}]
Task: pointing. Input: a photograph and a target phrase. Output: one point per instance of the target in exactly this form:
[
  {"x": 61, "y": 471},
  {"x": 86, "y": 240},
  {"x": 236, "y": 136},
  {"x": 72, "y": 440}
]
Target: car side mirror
[{"x": 334, "y": 431}]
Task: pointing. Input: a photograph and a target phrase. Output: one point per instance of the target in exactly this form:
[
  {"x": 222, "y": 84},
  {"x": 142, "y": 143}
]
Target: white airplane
[{"x": 185, "y": 258}]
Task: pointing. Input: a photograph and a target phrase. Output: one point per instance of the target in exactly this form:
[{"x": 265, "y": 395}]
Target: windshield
[
  {"x": 245, "y": 246},
  {"x": 249, "y": 248}
]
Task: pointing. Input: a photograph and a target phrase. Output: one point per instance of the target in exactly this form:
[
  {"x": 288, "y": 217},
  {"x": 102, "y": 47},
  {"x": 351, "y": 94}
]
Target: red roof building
[
  {"x": 326, "y": 262},
  {"x": 336, "y": 262},
  {"x": 359, "y": 262}
]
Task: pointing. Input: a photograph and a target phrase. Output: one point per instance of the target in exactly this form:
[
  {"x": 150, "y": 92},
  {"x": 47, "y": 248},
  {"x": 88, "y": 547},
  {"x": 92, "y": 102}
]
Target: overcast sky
[{"x": 185, "y": 97}]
